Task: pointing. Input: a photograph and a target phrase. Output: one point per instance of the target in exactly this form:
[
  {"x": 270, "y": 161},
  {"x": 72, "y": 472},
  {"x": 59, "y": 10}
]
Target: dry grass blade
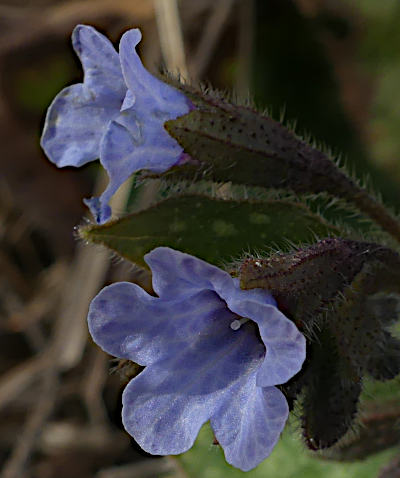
[
  {"x": 86, "y": 276},
  {"x": 211, "y": 35},
  {"x": 59, "y": 18},
  {"x": 17, "y": 379},
  {"x": 92, "y": 385},
  {"x": 171, "y": 38},
  {"x": 43, "y": 301},
  {"x": 15, "y": 465}
]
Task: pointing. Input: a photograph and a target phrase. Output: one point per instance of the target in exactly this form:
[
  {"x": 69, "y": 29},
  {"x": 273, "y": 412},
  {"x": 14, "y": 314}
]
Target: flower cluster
[
  {"x": 211, "y": 351},
  {"x": 116, "y": 115}
]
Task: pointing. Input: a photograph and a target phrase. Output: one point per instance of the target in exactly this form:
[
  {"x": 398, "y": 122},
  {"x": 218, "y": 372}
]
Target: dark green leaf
[
  {"x": 215, "y": 230},
  {"x": 379, "y": 429},
  {"x": 337, "y": 292},
  {"x": 239, "y": 145},
  {"x": 329, "y": 401},
  {"x": 359, "y": 322},
  {"x": 235, "y": 143},
  {"x": 384, "y": 361},
  {"x": 306, "y": 281}
]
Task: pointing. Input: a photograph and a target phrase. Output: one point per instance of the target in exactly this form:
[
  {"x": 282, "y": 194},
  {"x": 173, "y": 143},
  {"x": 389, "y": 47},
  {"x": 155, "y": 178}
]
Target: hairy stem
[{"x": 377, "y": 211}]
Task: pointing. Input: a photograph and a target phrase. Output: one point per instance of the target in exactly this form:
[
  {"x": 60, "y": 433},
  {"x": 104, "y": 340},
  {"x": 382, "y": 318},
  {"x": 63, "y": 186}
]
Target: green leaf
[
  {"x": 227, "y": 142},
  {"x": 288, "y": 460},
  {"x": 329, "y": 402},
  {"x": 215, "y": 230},
  {"x": 239, "y": 145},
  {"x": 360, "y": 319},
  {"x": 339, "y": 292},
  {"x": 306, "y": 281},
  {"x": 379, "y": 430}
]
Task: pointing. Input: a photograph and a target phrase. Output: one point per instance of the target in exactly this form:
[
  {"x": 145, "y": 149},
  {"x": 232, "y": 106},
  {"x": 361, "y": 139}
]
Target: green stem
[{"x": 377, "y": 211}]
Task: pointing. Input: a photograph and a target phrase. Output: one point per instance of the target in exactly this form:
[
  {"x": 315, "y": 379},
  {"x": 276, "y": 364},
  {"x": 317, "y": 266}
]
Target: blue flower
[
  {"x": 117, "y": 114},
  {"x": 212, "y": 352}
]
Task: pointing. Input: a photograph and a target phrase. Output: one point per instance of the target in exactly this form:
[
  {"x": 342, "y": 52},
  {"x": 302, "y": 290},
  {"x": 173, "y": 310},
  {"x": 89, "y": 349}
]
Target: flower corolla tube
[
  {"x": 116, "y": 115},
  {"x": 211, "y": 351}
]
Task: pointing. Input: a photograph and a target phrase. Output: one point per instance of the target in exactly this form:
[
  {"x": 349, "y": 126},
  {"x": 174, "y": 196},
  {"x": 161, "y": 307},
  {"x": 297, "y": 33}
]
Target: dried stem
[
  {"x": 171, "y": 38},
  {"x": 211, "y": 35},
  {"x": 15, "y": 465},
  {"x": 246, "y": 12},
  {"x": 17, "y": 379}
]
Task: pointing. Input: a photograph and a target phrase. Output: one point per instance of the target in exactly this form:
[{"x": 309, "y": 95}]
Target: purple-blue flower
[
  {"x": 211, "y": 351},
  {"x": 116, "y": 115}
]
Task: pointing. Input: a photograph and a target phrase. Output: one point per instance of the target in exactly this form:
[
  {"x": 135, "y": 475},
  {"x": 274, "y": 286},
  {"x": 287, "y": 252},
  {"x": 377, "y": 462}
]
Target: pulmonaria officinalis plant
[{"x": 229, "y": 347}]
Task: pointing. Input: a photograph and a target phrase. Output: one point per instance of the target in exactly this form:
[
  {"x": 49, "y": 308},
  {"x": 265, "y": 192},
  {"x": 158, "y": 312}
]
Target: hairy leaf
[
  {"x": 239, "y": 145},
  {"x": 379, "y": 429},
  {"x": 340, "y": 292},
  {"x": 212, "y": 229},
  {"x": 235, "y": 143},
  {"x": 306, "y": 281},
  {"x": 359, "y": 322},
  {"x": 329, "y": 401}
]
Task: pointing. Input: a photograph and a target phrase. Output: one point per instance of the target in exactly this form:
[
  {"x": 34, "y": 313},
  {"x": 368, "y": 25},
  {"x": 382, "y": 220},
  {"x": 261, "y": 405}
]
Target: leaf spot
[
  {"x": 222, "y": 228},
  {"x": 177, "y": 226},
  {"x": 257, "y": 218}
]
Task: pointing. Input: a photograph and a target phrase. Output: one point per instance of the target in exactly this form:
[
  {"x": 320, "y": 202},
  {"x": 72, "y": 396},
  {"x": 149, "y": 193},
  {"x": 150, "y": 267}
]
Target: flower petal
[
  {"x": 176, "y": 273},
  {"x": 129, "y": 101},
  {"x": 153, "y": 96},
  {"x": 136, "y": 139},
  {"x": 75, "y": 123},
  {"x": 130, "y": 144},
  {"x": 286, "y": 346},
  {"x": 249, "y": 423},
  {"x": 100, "y": 62},
  {"x": 78, "y": 116},
  {"x": 165, "y": 406},
  {"x": 129, "y": 323}
]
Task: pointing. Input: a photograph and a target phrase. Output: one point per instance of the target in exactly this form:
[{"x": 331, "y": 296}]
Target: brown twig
[
  {"x": 93, "y": 383},
  {"x": 209, "y": 40},
  {"x": 15, "y": 465},
  {"x": 17, "y": 379},
  {"x": 57, "y": 19},
  {"x": 171, "y": 38},
  {"x": 46, "y": 296},
  {"x": 246, "y": 12}
]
